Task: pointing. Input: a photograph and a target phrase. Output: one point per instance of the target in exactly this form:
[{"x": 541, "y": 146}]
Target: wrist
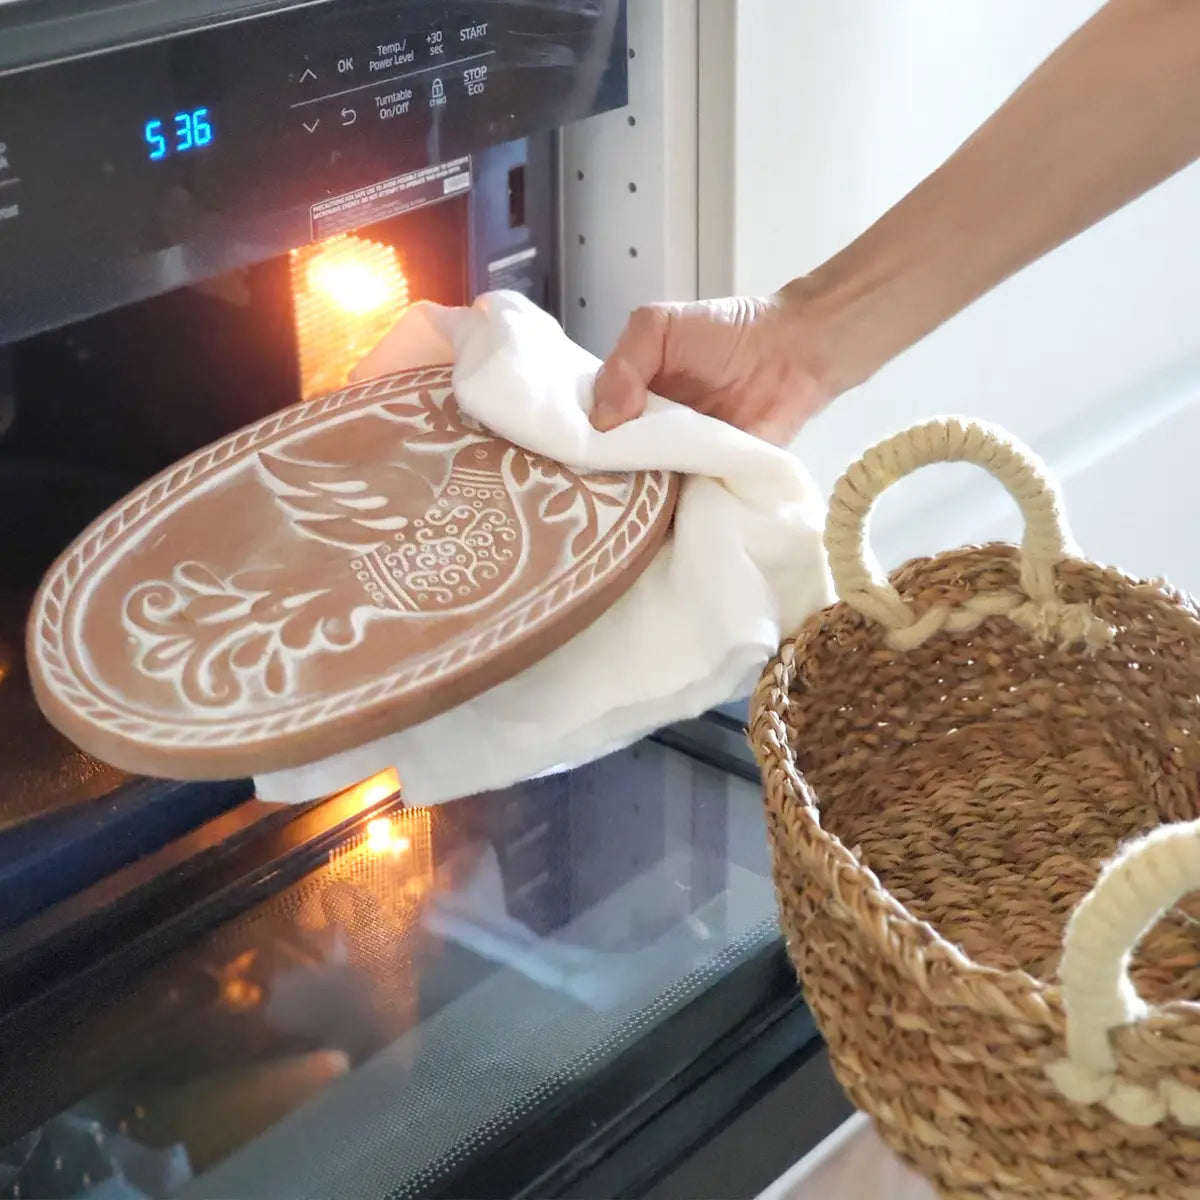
[
  {"x": 900, "y": 280},
  {"x": 831, "y": 325}
]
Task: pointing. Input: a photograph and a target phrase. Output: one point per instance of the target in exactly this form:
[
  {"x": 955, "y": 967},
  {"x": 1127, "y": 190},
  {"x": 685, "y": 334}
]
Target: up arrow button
[{"x": 309, "y": 73}]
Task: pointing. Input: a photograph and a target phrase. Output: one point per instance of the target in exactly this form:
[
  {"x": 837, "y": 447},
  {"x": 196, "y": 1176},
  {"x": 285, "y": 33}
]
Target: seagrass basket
[{"x": 982, "y": 783}]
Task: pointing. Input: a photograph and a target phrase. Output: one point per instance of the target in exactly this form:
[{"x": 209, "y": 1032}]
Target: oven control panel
[{"x": 128, "y": 172}]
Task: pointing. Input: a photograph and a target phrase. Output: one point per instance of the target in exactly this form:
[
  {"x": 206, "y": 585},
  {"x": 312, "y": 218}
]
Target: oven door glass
[{"x": 470, "y": 1000}]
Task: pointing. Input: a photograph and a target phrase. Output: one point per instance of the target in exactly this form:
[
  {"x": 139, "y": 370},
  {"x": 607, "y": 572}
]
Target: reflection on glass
[{"x": 443, "y": 969}]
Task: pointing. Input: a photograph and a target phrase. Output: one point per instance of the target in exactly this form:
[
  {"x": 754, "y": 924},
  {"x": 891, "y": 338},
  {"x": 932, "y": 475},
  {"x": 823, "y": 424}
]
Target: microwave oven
[{"x": 205, "y": 994}]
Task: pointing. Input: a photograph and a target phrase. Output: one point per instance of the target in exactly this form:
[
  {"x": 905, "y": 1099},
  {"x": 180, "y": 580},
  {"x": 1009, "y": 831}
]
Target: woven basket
[{"x": 962, "y": 771}]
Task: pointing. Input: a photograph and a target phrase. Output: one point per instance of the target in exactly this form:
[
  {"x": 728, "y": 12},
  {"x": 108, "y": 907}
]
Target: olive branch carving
[
  {"x": 213, "y": 636},
  {"x": 442, "y": 425},
  {"x": 580, "y": 496}
]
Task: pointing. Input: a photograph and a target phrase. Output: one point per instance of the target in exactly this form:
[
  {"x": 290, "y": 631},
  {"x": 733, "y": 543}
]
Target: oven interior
[{"x": 92, "y": 408}]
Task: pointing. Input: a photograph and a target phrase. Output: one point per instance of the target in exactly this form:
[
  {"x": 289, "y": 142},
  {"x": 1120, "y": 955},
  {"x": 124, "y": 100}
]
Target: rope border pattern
[{"x": 50, "y": 655}]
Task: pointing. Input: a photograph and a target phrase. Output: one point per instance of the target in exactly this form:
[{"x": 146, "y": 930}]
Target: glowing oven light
[
  {"x": 353, "y": 286},
  {"x": 384, "y": 838},
  {"x": 347, "y": 293}
]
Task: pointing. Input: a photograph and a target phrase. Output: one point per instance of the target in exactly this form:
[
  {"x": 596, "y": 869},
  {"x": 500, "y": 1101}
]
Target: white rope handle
[
  {"x": 861, "y": 583},
  {"x": 1133, "y": 891}
]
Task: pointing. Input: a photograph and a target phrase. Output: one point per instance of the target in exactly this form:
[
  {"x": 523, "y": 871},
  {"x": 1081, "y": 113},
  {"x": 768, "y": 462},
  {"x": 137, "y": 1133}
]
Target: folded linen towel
[{"x": 742, "y": 567}]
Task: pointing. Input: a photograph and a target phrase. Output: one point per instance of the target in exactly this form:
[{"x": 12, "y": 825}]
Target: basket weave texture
[{"x": 962, "y": 769}]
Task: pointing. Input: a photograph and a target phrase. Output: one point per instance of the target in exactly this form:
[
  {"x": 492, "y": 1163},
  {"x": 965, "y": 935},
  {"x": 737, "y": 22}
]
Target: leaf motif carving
[
  {"x": 403, "y": 411},
  {"x": 212, "y": 610},
  {"x": 560, "y": 504},
  {"x": 519, "y": 466},
  {"x": 275, "y": 673},
  {"x": 248, "y": 654},
  {"x": 251, "y": 634},
  {"x": 301, "y": 630},
  {"x": 199, "y": 578},
  {"x": 340, "y": 632},
  {"x": 167, "y": 653}
]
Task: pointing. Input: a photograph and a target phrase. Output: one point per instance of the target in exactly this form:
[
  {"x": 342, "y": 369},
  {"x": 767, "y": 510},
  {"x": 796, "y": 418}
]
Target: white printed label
[
  {"x": 516, "y": 272},
  {"x": 390, "y": 55},
  {"x": 390, "y": 198}
]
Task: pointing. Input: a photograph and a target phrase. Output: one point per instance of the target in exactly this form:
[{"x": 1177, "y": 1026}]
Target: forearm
[{"x": 1114, "y": 111}]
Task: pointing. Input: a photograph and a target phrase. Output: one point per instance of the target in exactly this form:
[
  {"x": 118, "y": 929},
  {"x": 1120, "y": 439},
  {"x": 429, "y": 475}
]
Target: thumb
[
  {"x": 619, "y": 395},
  {"x": 636, "y": 360}
]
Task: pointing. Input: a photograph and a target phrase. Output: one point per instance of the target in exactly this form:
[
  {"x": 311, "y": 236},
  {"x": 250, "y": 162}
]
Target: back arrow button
[{"x": 349, "y": 116}]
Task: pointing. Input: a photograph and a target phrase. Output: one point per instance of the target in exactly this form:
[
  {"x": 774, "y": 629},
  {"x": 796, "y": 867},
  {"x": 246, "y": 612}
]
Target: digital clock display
[{"x": 183, "y": 133}]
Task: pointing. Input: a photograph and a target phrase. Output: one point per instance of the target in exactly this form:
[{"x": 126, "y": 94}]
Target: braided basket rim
[{"x": 905, "y": 939}]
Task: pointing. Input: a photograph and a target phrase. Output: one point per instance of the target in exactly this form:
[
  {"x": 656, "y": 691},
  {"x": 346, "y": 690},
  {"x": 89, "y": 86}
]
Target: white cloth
[{"x": 742, "y": 567}]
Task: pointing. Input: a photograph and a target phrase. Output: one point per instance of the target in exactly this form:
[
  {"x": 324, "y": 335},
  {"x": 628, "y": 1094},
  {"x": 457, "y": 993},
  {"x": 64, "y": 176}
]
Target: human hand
[{"x": 755, "y": 363}]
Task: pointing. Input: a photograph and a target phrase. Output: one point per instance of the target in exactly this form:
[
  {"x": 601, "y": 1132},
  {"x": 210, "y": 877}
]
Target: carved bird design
[
  {"x": 358, "y": 506},
  {"x": 438, "y": 547}
]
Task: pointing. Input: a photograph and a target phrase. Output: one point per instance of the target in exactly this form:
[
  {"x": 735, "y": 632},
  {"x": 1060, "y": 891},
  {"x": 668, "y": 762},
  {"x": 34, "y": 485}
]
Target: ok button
[{"x": 345, "y": 66}]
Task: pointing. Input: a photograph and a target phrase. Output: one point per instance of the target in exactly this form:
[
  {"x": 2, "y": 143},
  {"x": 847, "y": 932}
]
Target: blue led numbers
[
  {"x": 190, "y": 131},
  {"x": 201, "y": 128},
  {"x": 183, "y": 132},
  {"x": 155, "y": 140}
]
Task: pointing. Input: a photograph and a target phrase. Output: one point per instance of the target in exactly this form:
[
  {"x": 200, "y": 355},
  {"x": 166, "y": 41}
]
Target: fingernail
[
  {"x": 602, "y": 417},
  {"x": 601, "y": 414}
]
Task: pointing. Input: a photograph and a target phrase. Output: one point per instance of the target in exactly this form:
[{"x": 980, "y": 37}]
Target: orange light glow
[
  {"x": 348, "y": 292},
  {"x": 241, "y": 994},
  {"x": 350, "y": 283},
  {"x": 384, "y": 838},
  {"x": 392, "y": 859},
  {"x": 373, "y": 789}
]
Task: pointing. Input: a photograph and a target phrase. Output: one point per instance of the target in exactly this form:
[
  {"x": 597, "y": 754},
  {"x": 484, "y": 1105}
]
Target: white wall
[
  {"x": 624, "y": 247},
  {"x": 839, "y": 108}
]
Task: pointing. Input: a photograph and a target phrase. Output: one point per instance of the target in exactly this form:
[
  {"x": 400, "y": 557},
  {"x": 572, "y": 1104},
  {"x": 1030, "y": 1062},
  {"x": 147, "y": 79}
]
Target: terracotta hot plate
[{"x": 333, "y": 573}]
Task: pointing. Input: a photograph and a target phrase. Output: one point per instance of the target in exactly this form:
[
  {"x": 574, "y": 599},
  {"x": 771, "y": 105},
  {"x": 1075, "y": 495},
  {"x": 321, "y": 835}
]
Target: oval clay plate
[{"x": 336, "y": 572}]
